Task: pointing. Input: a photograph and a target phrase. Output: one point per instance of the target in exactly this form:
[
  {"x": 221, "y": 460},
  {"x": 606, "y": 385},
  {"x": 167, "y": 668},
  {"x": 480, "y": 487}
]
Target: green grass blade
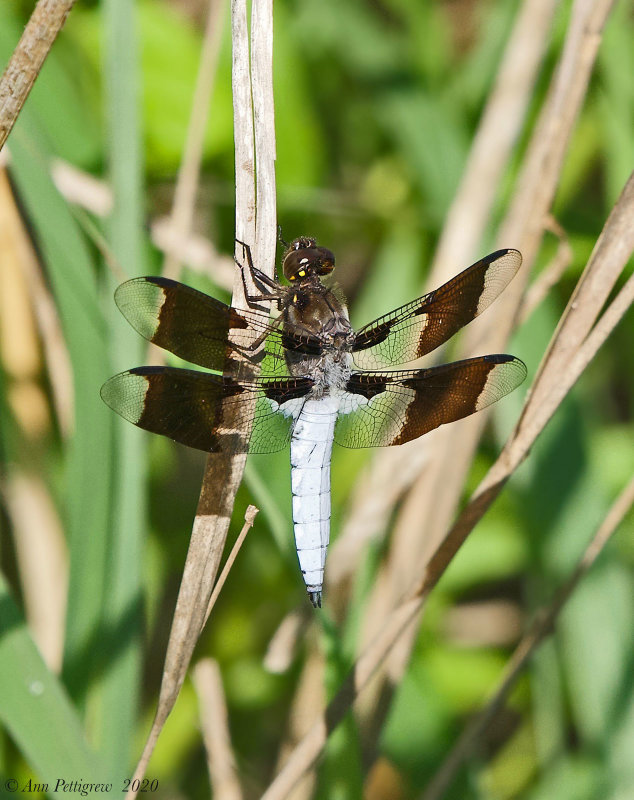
[
  {"x": 120, "y": 687},
  {"x": 35, "y": 708},
  {"x": 88, "y": 459}
]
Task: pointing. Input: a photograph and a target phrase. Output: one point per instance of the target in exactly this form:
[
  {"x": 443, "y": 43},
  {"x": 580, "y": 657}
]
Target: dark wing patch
[
  {"x": 180, "y": 319},
  {"x": 205, "y": 411},
  {"x": 197, "y": 327},
  {"x": 421, "y": 326},
  {"x": 387, "y": 408}
]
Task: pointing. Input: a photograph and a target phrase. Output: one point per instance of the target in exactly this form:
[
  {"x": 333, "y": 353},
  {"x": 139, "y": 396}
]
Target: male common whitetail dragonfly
[{"x": 308, "y": 391}]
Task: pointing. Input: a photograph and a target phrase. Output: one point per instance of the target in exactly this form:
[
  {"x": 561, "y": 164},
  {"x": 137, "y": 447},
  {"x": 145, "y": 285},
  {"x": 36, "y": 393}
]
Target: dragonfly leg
[
  {"x": 257, "y": 276},
  {"x": 274, "y": 324},
  {"x": 260, "y": 280},
  {"x": 280, "y": 237}
]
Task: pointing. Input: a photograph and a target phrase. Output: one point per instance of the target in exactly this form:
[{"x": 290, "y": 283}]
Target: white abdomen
[{"x": 311, "y": 447}]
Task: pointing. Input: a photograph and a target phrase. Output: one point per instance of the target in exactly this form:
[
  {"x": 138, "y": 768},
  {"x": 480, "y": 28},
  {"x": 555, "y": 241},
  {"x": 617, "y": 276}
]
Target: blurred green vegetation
[{"x": 376, "y": 107}]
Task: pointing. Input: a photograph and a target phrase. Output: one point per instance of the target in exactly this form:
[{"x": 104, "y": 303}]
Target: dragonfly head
[{"x": 304, "y": 259}]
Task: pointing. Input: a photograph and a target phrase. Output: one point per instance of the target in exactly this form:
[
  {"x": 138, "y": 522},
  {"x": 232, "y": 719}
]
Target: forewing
[
  {"x": 205, "y": 411},
  {"x": 201, "y": 329},
  {"x": 386, "y": 408},
  {"x": 421, "y": 326}
]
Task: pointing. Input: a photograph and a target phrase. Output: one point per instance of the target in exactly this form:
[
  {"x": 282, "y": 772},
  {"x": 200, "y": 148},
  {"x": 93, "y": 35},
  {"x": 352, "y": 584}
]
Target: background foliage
[{"x": 376, "y": 106}]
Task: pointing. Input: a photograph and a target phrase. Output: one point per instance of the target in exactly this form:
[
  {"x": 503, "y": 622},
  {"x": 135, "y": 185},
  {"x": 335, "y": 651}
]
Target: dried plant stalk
[
  {"x": 215, "y": 724},
  {"x": 189, "y": 172},
  {"x": 393, "y": 471},
  {"x": 610, "y": 252},
  {"x": 25, "y": 64},
  {"x": 223, "y": 473},
  {"x": 550, "y": 275},
  {"x": 42, "y": 557},
  {"x": 540, "y": 628},
  {"x": 249, "y": 518},
  {"x": 308, "y": 701},
  {"x": 434, "y": 497},
  {"x": 493, "y": 143},
  {"x": 522, "y": 228},
  {"x": 18, "y": 256},
  {"x": 282, "y": 646}
]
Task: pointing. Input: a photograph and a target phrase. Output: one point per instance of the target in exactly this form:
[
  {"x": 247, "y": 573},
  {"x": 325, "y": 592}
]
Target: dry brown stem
[
  {"x": 223, "y": 473},
  {"x": 522, "y": 228},
  {"x": 18, "y": 257},
  {"x": 548, "y": 277},
  {"x": 221, "y": 763},
  {"x": 91, "y": 194},
  {"x": 434, "y": 496},
  {"x": 249, "y": 519},
  {"x": 81, "y": 188},
  {"x": 42, "y": 557},
  {"x": 497, "y": 133},
  {"x": 25, "y": 64},
  {"x": 542, "y": 626},
  {"x": 308, "y": 701},
  {"x": 264, "y": 127},
  {"x": 195, "y": 250},
  {"x": 608, "y": 259},
  {"x": 283, "y": 644},
  {"x": 188, "y": 174},
  {"x": 393, "y": 471}
]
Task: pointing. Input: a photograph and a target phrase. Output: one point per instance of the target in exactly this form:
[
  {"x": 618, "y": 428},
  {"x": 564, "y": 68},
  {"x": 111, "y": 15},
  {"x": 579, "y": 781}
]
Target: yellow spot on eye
[
  {"x": 301, "y": 273},
  {"x": 294, "y": 298},
  {"x": 292, "y": 278}
]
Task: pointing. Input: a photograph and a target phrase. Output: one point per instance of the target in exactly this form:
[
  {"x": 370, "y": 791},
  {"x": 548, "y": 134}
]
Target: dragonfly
[{"x": 291, "y": 370}]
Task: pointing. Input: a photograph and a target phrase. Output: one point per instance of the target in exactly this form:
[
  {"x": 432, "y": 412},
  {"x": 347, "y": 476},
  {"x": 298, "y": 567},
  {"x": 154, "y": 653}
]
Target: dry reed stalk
[
  {"x": 264, "y": 129},
  {"x": 42, "y": 557},
  {"x": 484, "y": 623},
  {"x": 221, "y": 763},
  {"x": 223, "y": 473},
  {"x": 283, "y": 644},
  {"x": 46, "y": 21},
  {"x": 183, "y": 207},
  {"x": 94, "y": 195},
  {"x": 522, "y": 228},
  {"x": 308, "y": 701},
  {"x": 435, "y": 495},
  {"x": 542, "y": 625},
  {"x": 498, "y": 130},
  {"x": 613, "y": 249},
  {"x": 19, "y": 341},
  {"x": 393, "y": 471},
  {"x": 549, "y": 276},
  {"x": 195, "y": 250},
  {"x": 249, "y": 519},
  {"x": 15, "y": 243},
  {"x": 81, "y": 188},
  {"x": 180, "y": 658}
]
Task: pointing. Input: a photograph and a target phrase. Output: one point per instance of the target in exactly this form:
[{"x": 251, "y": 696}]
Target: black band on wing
[
  {"x": 417, "y": 328},
  {"x": 388, "y": 408},
  {"x": 368, "y": 384},
  {"x": 281, "y": 390},
  {"x": 180, "y": 319},
  {"x": 213, "y": 413},
  {"x": 203, "y": 330},
  {"x": 198, "y": 420},
  {"x": 301, "y": 344},
  {"x": 370, "y": 337}
]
